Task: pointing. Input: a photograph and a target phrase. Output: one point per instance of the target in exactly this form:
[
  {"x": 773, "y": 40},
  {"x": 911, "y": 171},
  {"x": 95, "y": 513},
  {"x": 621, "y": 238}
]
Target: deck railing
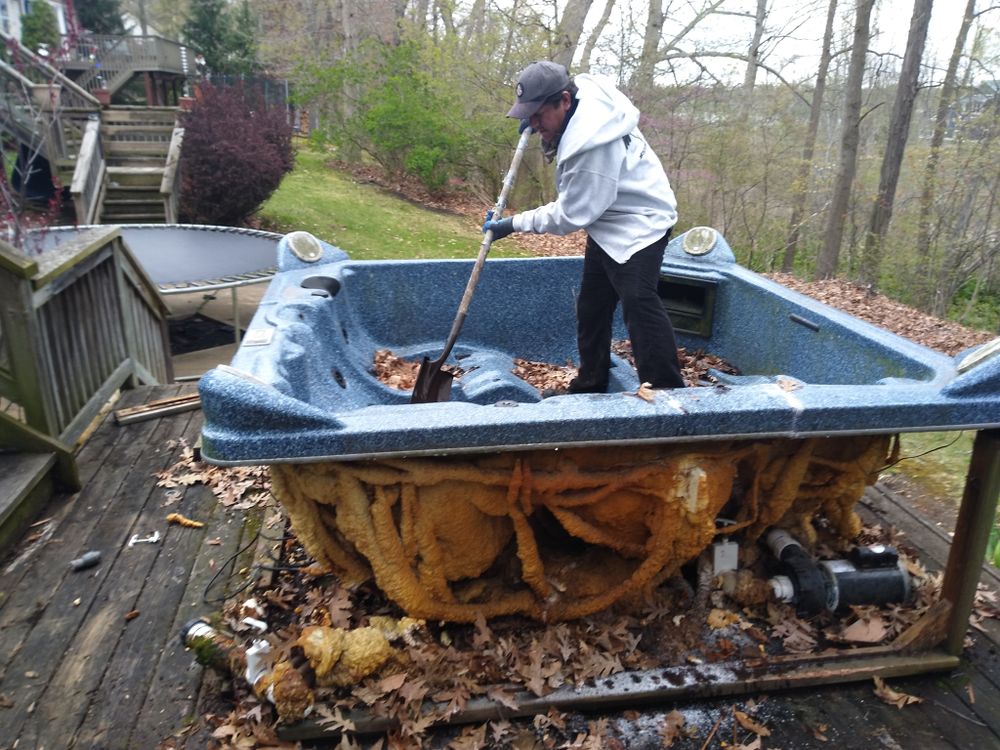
[
  {"x": 38, "y": 71},
  {"x": 110, "y": 60},
  {"x": 87, "y": 187},
  {"x": 78, "y": 322},
  {"x": 170, "y": 185}
]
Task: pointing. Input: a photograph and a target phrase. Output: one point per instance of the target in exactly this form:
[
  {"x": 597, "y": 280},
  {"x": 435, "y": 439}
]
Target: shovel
[{"x": 434, "y": 384}]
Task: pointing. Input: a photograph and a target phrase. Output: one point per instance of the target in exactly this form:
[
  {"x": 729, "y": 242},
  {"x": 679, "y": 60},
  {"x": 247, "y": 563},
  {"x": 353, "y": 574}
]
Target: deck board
[
  {"x": 68, "y": 649},
  {"x": 92, "y": 679}
]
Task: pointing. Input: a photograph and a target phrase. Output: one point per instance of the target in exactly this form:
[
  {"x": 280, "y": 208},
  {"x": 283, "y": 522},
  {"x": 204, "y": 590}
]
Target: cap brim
[{"x": 521, "y": 110}]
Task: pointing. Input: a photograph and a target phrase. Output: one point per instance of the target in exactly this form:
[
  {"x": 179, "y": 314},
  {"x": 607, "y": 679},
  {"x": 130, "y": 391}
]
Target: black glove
[
  {"x": 525, "y": 124},
  {"x": 500, "y": 228}
]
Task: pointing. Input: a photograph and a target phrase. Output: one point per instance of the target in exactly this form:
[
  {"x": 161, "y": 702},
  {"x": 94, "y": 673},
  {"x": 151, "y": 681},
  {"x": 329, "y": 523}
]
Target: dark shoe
[{"x": 574, "y": 387}]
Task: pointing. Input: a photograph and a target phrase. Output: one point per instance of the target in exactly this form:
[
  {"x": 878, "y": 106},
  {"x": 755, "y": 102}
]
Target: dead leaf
[
  {"x": 483, "y": 637},
  {"x": 787, "y": 384},
  {"x": 129, "y": 616},
  {"x": 646, "y": 393},
  {"x": 6, "y": 702},
  {"x": 501, "y": 696},
  {"x": 719, "y": 619},
  {"x": 893, "y": 697},
  {"x": 671, "y": 728},
  {"x": 862, "y": 631},
  {"x": 392, "y": 683},
  {"x": 750, "y": 725},
  {"x": 819, "y": 732}
]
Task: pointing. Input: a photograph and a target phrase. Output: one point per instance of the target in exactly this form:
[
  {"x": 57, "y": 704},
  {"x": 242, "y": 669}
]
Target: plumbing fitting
[{"x": 870, "y": 575}]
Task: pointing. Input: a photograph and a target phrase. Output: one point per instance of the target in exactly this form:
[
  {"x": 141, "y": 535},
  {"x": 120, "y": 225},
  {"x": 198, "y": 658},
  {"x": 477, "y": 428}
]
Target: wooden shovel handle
[{"x": 484, "y": 248}]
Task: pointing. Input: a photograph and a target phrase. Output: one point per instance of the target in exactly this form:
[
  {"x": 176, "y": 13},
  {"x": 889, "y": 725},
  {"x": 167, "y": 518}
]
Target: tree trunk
[
  {"x": 643, "y": 76},
  {"x": 753, "y": 54},
  {"x": 421, "y": 9},
  {"x": 927, "y": 193},
  {"x": 569, "y": 31},
  {"x": 476, "y": 22},
  {"x": 588, "y": 48},
  {"x": 826, "y": 263},
  {"x": 446, "y": 10},
  {"x": 805, "y": 168},
  {"x": 899, "y": 130}
]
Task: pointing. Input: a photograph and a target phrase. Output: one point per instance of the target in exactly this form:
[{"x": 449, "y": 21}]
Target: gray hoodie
[{"x": 619, "y": 194}]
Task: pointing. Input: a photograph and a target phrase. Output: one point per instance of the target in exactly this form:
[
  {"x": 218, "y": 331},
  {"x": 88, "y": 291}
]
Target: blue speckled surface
[{"x": 301, "y": 386}]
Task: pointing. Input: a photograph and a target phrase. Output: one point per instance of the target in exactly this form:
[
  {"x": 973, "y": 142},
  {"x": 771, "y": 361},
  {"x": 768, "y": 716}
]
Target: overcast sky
[{"x": 800, "y": 23}]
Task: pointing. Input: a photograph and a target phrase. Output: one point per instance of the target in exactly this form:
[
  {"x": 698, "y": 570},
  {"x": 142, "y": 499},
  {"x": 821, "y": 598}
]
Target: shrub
[{"x": 235, "y": 153}]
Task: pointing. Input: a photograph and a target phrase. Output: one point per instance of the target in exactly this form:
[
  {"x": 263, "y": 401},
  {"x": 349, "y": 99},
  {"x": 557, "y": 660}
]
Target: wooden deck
[{"x": 91, "y": 659}]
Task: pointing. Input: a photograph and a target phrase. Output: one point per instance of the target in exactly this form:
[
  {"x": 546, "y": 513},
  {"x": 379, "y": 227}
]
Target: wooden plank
[
  {"x": 30, "y": 585},
  {"x": 159, "y": 408},
  {"x": 76, "y": 678},
  {"x": 160, "y": 707},
  {"x": 976, "y": 517},
  {"x": 38, "y": 673},
  {"x": 638, "y": 688}
]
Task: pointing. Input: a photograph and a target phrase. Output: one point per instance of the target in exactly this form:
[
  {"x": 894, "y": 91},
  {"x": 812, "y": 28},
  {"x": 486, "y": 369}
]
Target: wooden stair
[
  {"x": 135, "y": 141},
  {"x": 26, "y": 484}
]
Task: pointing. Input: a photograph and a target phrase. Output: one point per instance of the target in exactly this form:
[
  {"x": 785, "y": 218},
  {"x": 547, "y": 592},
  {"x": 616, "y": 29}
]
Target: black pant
[{"x": 634, "y": 282}]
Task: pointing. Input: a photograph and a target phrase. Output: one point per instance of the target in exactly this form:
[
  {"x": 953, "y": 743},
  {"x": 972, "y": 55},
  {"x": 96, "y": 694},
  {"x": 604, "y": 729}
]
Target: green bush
[{"x": 407, "y": 107}]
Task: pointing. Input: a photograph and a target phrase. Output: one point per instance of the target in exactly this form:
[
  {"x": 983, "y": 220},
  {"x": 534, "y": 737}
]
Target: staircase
[
  {"x": 106, "y": 62},
  {"x": 136, "y": 142},
  {"x": 26, "y": 483}
]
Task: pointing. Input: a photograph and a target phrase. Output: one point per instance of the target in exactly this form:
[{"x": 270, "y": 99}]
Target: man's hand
[
  {"x": 525, "y": 124},
  {"x": 500, "y": 228}
]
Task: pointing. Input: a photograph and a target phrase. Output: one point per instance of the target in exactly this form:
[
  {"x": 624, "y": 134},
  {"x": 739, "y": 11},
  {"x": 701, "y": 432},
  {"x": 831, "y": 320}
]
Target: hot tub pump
[{"x": 870, "y": 575}]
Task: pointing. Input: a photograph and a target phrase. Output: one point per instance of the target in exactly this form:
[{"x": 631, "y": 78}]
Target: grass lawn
[
  {"x": 366, "y": 221},
  {"x": 938, "y": 460}
]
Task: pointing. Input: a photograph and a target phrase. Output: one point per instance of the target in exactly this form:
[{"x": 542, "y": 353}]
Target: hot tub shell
[{"x": 301, "y": 387}]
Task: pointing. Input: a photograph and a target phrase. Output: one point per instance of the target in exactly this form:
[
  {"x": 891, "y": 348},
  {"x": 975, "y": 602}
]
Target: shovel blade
[{"x": 433, "y": 384}]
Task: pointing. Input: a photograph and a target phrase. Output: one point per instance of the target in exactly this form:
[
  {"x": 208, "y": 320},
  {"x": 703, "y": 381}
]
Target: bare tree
[
  {"x": 588, "y": 48},
  {"x": 826, "y": 263},
  {"x": 805, "y": 168},
  {"x": 899, "y": 130},
  {"x": 753, "y": 53},
  {"x": 569, "y": 30},
  {"x": 948, "y": 86}
]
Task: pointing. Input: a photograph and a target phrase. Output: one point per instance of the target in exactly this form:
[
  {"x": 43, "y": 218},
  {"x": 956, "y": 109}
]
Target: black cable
[
  {"x": 231, "y": 564},
  {"x": 918, "y": 455}
]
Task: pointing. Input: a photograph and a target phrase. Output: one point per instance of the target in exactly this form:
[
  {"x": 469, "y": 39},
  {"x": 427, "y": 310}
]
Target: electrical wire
[
  {"x": 252, "y": 574},
  {"x": 918, "y": 455}
]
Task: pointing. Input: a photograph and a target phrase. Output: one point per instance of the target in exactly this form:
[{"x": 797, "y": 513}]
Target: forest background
[{"x": 824, "y": 137}]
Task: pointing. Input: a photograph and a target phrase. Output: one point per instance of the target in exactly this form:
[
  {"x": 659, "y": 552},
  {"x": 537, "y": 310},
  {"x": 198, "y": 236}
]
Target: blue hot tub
[{"x": 302, "y": 388}]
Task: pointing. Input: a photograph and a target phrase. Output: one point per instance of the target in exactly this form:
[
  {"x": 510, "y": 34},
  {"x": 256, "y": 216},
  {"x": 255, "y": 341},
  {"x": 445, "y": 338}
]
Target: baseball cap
[{"x": 538, "y": 82}]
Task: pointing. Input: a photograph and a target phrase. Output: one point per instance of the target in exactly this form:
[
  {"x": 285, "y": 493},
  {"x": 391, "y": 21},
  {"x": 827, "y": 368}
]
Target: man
[{"x": 611, "y": 184}]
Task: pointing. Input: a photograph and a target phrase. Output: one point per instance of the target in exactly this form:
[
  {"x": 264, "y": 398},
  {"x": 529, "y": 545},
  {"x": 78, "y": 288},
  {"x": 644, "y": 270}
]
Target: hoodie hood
[{"x": 604, "y": 114}]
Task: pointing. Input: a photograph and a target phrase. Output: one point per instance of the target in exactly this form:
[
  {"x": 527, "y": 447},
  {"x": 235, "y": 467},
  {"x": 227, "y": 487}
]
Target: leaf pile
[
  {"x": 443, "y": 667},
  {"x": 696, "y": 368},
  {"x": 236, "y": 487},
  {"x": 857, "y": 300}
]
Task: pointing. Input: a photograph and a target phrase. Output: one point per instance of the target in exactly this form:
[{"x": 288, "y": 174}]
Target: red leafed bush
[{"x": 234, "y": 155}]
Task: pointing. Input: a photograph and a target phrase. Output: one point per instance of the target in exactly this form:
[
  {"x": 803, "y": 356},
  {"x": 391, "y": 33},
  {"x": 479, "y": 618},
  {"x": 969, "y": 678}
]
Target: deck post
[{"x": 976, "y": 518}]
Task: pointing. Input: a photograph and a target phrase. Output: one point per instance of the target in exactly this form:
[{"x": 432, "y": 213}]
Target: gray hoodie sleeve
[{"x": 587, "y": 185}]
